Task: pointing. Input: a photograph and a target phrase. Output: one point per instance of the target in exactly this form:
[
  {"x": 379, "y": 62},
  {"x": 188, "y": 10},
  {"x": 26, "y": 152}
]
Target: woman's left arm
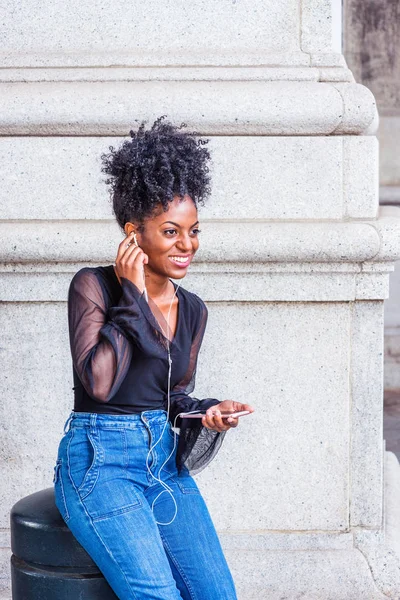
[{"x": 199, "y": 440}]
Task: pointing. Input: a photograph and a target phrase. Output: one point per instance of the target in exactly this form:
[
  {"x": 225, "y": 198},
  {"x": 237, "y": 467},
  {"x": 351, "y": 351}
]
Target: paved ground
[{"x": 391, "y": 422}]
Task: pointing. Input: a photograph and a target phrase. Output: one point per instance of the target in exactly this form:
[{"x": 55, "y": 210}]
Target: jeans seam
[
  {"x": 60, "y": 479},
  {"x": 97, "y": 461},
  {"x": 118, "y": 511},
  {"x": 67, "y": 455},
  {"x": 125, "y": 444},
  {"x": 164, "y": 445},
  {"x": 104, "y": 544},
  {"x": 116, "y": 563},
  {"x": 178, "y": 567},
  {"x": 94, "y": 462},
  {"x": 187, "y": 489}
]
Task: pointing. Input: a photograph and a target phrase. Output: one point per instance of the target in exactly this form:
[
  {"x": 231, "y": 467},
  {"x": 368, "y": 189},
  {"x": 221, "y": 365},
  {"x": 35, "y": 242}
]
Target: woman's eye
[{"x": 173, "y": 231}]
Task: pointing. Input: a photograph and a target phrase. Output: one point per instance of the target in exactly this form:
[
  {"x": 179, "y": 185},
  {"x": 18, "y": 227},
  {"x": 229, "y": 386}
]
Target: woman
[{"x": 122, "y": 483}]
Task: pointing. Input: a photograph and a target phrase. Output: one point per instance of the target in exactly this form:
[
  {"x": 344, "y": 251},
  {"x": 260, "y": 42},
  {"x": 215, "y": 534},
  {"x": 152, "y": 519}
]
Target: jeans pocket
[
  {"x": 110, "y": 488},
  {"x": 59, "y": 492},
  {"x": 83, "y": 455}
]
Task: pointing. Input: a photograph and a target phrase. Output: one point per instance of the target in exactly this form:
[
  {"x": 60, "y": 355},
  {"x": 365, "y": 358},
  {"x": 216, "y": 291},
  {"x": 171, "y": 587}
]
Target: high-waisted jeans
[{"x": 104, "y": 492}]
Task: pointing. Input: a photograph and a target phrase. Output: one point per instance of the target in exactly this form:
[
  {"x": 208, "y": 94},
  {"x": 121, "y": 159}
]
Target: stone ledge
[
  {"x": 160, "y": 60},
  {"x": 320, "y": 71},
  {"x": 217, "y": 287},
  {"x": 293, "y": 261},
  {"x": 243, "y": 107},
  {"x": 234, "y": 241}
]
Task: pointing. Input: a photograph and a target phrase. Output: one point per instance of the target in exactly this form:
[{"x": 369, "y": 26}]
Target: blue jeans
[{"x": 105, "y": 485}]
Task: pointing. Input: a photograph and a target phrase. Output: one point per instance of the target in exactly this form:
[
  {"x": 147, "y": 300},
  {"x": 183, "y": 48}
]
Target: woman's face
[{"x": 170, "y": 238}]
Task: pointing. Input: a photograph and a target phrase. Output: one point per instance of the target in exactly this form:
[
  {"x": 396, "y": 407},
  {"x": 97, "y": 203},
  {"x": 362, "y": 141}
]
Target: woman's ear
[{"x": 128, "y": 228}]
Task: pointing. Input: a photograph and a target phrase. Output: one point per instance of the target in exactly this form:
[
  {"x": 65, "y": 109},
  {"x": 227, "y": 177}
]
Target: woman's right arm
[{"x": 101, "y": 339}]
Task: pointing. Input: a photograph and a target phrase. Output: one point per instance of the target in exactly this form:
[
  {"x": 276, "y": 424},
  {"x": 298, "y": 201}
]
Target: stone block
[
  {"x": 151, "y": 33},
  {"x": 309, "y": 342},
  {"x": 38, "y": 395},
  {"x": 360, "y": 177},
  {"x": 366, "y": 443},
  {"x": 253, "y": 178},
  {"x": 316, "y": 26}
]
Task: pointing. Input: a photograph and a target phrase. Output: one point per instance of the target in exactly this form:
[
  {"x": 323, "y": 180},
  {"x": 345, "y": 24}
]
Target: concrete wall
[{"x": 295, "y": 254}]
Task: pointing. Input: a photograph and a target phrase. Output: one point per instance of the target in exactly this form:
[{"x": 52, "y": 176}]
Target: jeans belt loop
[
  {"x": 67, "y": 423},
  {"x": 93, "y": 418}
]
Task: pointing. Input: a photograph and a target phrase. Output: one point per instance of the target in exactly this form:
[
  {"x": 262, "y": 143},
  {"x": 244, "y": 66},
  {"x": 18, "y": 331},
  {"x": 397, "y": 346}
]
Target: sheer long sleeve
[
  {"x": 100, "y": 339},
  {"x": 197, "y": 444},
  {"x": 110, "y": 331}
]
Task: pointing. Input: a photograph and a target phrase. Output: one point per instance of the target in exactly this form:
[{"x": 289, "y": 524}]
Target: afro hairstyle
[{"x": 153, "y": 167}]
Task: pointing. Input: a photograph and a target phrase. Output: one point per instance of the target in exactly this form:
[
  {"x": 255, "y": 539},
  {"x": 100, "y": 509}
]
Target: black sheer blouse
[{"x": 120, "y": 362}]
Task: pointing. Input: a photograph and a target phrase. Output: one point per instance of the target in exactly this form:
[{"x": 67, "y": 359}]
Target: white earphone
[{"x": 166, "y": 487}]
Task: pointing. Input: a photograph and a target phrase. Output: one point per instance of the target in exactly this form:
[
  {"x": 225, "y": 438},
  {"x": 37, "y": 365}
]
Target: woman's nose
[{"x": 185, "y": 244}]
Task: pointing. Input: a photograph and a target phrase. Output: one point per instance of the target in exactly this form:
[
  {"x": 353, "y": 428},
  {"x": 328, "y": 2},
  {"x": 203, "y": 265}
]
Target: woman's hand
[
  {"x": 130, "y": 262},
  {"x": 213, "y": 420}
]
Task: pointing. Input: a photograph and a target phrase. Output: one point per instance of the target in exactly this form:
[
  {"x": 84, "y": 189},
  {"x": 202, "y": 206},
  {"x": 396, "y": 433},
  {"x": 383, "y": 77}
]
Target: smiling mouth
[{"x": 181, "y": 261}]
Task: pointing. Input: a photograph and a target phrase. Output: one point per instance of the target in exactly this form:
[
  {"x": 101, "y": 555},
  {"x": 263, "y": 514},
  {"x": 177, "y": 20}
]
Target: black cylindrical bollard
[{"x": 48, "y": 563}]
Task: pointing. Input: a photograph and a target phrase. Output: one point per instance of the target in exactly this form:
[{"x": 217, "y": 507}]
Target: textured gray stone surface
[
  {"x": 260, "y": 242},
  {"x": 150, "y": 33},
  {"x": 302, "y": 178},
  {"x": 370, "y": 44},
  {"x": 209, "y": 107},
  {"x": 294, "y": 267}
]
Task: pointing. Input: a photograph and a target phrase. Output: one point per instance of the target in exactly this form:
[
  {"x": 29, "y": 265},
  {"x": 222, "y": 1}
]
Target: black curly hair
[{"x": 152, "y": 168}]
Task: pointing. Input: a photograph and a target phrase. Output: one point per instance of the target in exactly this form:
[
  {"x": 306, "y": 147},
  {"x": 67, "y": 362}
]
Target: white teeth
[{"x": 179, "y": 259}]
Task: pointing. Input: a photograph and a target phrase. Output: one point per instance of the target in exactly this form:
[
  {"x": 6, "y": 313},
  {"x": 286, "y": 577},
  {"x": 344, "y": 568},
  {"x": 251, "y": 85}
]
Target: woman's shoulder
[
  {"x": 191, "y": 297},
  {"x": 105, "y": 273},
  {"x": 195, "y": 305},
  {"x": 98, "y": 278}
]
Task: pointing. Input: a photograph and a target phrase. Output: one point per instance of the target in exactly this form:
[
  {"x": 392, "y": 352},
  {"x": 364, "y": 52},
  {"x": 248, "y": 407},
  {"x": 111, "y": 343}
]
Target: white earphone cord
[{"x": 166, "y": 487}]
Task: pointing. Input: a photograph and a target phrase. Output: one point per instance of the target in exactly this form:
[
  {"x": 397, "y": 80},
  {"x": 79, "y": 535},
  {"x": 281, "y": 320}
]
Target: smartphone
[{"x": 199, "y": 415}]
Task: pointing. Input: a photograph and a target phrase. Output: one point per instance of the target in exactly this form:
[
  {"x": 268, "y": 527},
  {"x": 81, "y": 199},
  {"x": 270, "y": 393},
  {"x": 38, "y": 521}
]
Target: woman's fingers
[
  {"x": 130, "y": 262},
  {"x": 213, "y": 420},
  {"x": 124, "y": 245},
  {"x": 128, "y": 250},
  {"x": 133, "y": 252},
  {"x": 239, "y": 407},
  {"x": 220, "y": 424},
  {"x": 208, "y": 420}
]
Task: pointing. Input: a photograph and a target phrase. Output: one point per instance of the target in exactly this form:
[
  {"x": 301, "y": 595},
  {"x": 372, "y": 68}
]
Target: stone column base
[{"x": 360, "y": 564}]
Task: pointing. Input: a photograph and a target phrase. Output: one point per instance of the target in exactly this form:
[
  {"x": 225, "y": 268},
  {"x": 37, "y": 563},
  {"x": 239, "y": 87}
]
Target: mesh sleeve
[
  {"x": 100, "y": 339},
  {"x": 197, "y": 444}
]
